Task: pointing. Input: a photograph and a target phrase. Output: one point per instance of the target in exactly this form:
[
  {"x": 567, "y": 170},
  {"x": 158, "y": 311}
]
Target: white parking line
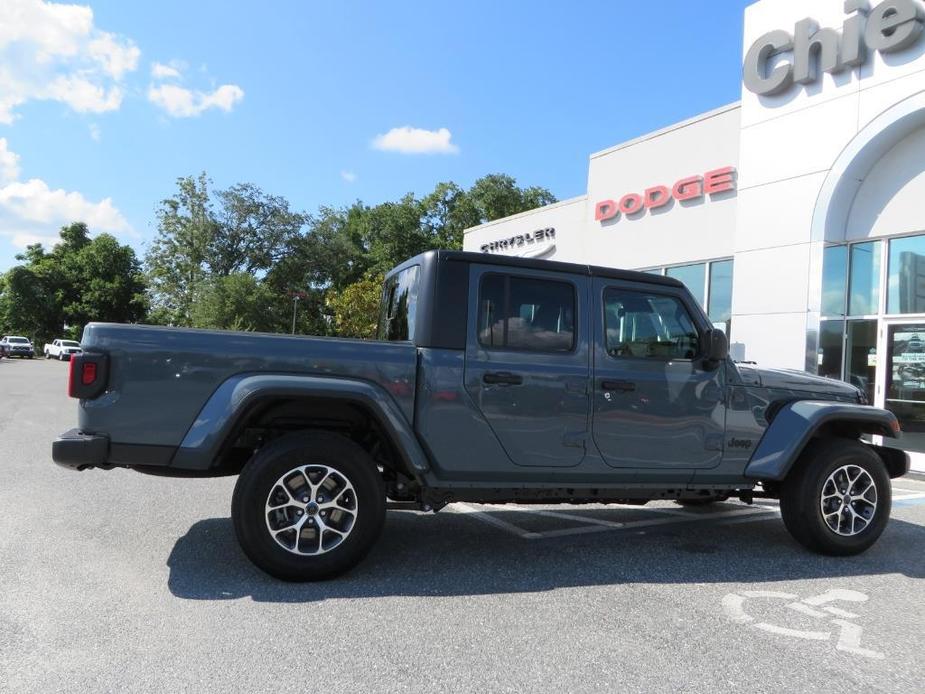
[
  {"x": 491, "y": 520},
  {"x": 596, "y": 525},
  {"x": 762, "y": 511}
]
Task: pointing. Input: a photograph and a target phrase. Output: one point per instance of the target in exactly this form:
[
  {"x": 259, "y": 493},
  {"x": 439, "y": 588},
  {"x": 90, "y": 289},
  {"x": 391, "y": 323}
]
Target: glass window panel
[
  {"x": 654, "y": 271},
  {"x": 720, "y": 291},
  {"x": 864, "y": 289},
  {"x": 648, "y": 326},
  {"x": 834, "y": 280},
  {"x": 861, "y": 355},
  {"x": 693, "y": 277},
  {"x": 491, "y": 311},
  {"x": 398, "y": 309},
  {"x": 527, "y": 314},
  {"x": 831, "y": 341},
  {"x": 906, "y": 286}
]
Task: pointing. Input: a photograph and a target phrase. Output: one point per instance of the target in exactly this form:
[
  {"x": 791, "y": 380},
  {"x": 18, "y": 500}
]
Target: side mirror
[{"x": 716, "y": 347}]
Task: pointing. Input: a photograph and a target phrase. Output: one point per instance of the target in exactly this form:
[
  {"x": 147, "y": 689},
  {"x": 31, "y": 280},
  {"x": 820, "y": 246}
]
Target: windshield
[
  {"x": 69, "y": 343},
  {"x": 18, "y": 340}
]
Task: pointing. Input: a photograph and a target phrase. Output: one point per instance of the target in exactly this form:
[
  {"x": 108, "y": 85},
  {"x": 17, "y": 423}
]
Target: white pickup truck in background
[{"x": 61, "y": 349}]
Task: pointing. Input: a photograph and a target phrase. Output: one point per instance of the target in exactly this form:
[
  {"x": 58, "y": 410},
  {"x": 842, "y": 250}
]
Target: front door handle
[
  {"x": 619, "y": 386},
  {"x": 503, "y": 378}
]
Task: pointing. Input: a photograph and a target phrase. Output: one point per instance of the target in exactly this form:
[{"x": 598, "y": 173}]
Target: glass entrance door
[{"x": 903, "y": 390}]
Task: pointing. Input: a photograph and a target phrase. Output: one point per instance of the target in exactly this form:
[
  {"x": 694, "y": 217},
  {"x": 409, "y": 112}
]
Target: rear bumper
[{"x": 78, "y": 451}]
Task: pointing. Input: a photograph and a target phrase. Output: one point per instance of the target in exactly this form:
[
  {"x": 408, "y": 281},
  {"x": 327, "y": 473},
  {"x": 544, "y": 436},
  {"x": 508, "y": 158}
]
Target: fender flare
[
  {"x": 223, "y": 411},
  {"x": 797, "y": 422}
]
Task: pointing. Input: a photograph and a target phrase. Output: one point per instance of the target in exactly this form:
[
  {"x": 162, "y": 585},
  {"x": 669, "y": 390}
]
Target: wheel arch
[
  {"x": 292, "y": 403},
  {"x": 798, "y": 423}
]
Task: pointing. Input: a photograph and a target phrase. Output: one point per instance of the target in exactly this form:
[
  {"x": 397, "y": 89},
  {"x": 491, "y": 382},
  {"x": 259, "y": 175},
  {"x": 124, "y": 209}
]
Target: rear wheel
[
  {"x": 838, "y": 499},
  {"x": 308, "y": 506}
]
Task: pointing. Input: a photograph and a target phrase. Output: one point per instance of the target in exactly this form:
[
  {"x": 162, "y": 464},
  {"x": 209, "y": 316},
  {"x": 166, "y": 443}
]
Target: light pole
[{"x": 295, "y": 302}]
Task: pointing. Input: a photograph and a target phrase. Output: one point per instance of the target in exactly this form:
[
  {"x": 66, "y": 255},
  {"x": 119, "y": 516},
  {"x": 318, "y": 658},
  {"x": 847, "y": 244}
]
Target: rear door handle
[
  {"x": 504, "y": 378},
  {"x": 619, "y": 386}
]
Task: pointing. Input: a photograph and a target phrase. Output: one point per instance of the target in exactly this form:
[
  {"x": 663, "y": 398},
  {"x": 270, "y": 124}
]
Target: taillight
[{"x": 87, "y": 375}]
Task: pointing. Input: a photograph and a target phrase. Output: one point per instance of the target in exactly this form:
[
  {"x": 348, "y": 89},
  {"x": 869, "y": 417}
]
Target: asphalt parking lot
[{"x": 117, "y": 581}]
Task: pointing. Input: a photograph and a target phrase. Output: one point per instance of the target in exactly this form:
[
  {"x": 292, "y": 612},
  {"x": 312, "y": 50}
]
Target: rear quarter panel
[{"x": 160, "y": 378}]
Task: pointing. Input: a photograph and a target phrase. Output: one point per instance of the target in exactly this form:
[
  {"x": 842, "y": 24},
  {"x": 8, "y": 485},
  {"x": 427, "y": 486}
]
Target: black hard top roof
[{"x": 537, "y": 264}]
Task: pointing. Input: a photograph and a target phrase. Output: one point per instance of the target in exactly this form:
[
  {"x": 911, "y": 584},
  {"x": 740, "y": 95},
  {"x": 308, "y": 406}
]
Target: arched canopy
[{"x": 830, "y": 217}]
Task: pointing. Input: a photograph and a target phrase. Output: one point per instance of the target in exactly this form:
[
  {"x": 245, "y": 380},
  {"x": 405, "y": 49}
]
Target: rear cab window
[{"x": 398, "y": 307}]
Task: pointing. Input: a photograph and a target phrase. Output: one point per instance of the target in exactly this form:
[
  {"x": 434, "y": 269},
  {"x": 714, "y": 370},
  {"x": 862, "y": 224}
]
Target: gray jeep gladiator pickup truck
[{"x": 494, "y": 380}]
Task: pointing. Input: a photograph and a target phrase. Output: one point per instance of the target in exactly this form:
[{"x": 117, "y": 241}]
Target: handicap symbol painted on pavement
[{"x": 819, "y": 607}]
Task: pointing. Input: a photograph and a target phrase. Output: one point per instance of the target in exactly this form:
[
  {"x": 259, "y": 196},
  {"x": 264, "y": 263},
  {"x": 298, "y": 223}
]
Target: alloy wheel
[
  {"x": 849, "y": 500},
  {"x": 311, "y": 510}
]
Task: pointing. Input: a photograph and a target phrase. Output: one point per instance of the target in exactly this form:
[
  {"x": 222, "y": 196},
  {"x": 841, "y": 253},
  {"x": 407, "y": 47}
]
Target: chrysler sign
[
  {"x": 889, "y": 27},
  {"x": 686, "y": 189}
]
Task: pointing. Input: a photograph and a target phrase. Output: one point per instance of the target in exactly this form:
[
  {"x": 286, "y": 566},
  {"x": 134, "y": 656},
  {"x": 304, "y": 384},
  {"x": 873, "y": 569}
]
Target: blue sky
[{"x": 101, "y": 109}]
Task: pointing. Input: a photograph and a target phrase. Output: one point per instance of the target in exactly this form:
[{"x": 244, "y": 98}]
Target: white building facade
[{"x": 796, "y": 216}]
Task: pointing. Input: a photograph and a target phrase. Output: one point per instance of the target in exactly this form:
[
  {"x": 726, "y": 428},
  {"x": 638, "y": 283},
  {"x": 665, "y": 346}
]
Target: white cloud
[
  {"x": 82, "y": 95},
  {"x": 23, "y": 239},
  {"x": 160, "y": 71},
  {"x": 180, "y": 102},
  {"x": 9, "y": 163},
  {"x": 34, "y": 201},
  {"x": 348, "y": 176},
  {"x": 116, "y": 58},
  {"x": 53, "y": 51},
  {"x": 30, "y": 209},
  {"x": 408, "y": 140}
]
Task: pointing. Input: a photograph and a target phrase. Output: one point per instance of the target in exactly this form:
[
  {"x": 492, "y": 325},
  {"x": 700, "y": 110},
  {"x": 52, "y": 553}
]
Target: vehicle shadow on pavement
[{"x": 452, "y": 555}]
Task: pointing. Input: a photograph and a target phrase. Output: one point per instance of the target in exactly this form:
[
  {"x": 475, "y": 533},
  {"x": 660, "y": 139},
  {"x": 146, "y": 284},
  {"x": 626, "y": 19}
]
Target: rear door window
[{"x": 525, "y": 313}]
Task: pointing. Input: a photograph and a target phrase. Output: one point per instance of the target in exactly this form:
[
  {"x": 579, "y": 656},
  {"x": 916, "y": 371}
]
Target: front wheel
[
  {"x": 837, "y": 501},
  {"x": 308, "y": 506}
]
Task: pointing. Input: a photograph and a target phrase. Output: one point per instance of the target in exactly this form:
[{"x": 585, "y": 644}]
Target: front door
[
  {"x": 657, "y": 404},
  {"x": 902, "y": 344},
  {"x": 527, "y": 362}
]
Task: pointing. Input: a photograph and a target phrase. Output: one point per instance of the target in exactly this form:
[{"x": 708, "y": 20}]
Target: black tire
[
  {"x": 260, "y": 477},
  {"x": 801, "y": 497}
]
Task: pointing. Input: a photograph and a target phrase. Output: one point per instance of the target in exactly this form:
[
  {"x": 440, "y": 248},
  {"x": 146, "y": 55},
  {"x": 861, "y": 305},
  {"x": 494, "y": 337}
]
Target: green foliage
[
  {"x": 79, "y": 281},
  {"x": 355, "y": 308},
  {"x": 238, "y": 301},
  {"x": 330, "y": 256}
]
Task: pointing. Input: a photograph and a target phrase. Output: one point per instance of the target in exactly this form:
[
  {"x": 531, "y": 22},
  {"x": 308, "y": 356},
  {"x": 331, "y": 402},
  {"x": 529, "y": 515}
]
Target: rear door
[
  {"x": 657, "y": 404},
  {"x": 528, "y": 362}
]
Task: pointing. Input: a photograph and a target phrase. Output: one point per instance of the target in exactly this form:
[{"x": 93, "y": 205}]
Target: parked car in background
[
  {"x": 61, "y": 350},
  {"x": 17, "y": 346},
  {"x": 4, "y": 350}
]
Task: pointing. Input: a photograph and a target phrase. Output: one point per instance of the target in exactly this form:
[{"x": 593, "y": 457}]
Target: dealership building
[{"x": 795, "y": 216}]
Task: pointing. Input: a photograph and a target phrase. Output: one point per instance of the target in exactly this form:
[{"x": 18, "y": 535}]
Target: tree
[
  {"x": 176, "y": 258},
  {"x": 498, "y": 195},
  {"x": 248, "y": 231},
  {"x": 238, "y": 301},
  {"x": 81, "y": 280},
  {"x": 332, "y": 256},
  {"x": 356, "y": 307}
]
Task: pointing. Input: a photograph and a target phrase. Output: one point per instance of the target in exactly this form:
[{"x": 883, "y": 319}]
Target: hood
[{"x": 791, "y": 379}]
